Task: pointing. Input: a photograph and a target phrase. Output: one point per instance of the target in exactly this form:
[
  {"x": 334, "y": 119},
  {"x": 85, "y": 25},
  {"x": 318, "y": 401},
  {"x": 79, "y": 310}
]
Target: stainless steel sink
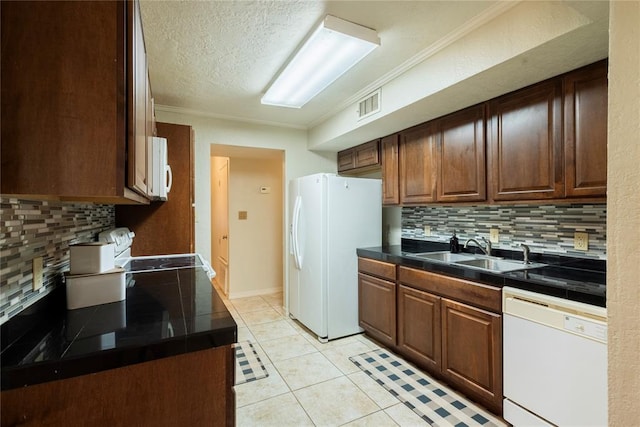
[
  {"x": 480, "y": 262},
  {"x": 497, "y": 265},
  {"x": 444, "y": 256}
]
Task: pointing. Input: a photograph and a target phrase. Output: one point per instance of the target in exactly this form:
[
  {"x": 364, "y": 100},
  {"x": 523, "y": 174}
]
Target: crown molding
[{"x": 200, "y": 113}]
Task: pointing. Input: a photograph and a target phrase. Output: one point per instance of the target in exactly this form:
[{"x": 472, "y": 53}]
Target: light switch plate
[
  {"x": 427, "y": 230},
  {"x": 37, "y": 273},
  {"x": 581, "y": 241},
  {"x": 494, "y": 235}
]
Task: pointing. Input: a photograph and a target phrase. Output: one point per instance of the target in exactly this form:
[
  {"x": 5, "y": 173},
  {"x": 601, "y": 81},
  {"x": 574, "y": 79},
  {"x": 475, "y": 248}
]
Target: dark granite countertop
[
  {"x": 165, "y": 313},
  {"x": 577, "y": 279}
]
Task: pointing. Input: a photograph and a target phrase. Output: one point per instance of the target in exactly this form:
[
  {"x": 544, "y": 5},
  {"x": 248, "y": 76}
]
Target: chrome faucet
[
  {"x": 485, "y": 249},
  {"x": 525, "y": 252}
]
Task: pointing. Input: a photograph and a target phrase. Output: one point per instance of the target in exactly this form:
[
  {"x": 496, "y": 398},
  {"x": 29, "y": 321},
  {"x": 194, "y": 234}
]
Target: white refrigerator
[{"x": 331, "y": 216}]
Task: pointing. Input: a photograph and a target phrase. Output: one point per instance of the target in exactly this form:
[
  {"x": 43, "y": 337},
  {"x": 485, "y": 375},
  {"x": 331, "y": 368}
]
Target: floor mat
[
  {"x": 434, "y": 403},
  {"x": 249, "y": 367}
]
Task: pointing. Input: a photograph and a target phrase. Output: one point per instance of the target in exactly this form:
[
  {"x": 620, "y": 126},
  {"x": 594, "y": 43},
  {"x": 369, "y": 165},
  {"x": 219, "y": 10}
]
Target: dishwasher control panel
[{"x": 584, "y": 327}]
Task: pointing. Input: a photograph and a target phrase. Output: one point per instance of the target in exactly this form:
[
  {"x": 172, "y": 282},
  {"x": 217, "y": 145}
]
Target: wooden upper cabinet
[
  {"x": 585, "y": 131},
  {"x": 362, "y": 157},
  {"x": 390, "y": 178},
  {"x": 417, "y": 160},
  {"x": 138, "y": 95},
  {"x": 526, "y": 159},
  {"x": 461, "y": 156},
  {"x": 65, "y": 112},
  {"x": 346, "y": 160}
]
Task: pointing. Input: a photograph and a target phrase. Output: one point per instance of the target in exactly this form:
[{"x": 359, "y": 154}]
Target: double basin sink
[{"x": 480, "y": 262}]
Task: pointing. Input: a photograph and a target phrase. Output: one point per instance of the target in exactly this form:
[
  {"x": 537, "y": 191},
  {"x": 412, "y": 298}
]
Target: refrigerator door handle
[{"x": 295, "y": 244}]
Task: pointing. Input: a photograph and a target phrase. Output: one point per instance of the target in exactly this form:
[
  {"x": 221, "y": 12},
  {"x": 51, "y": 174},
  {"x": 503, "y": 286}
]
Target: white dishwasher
[{"x": 555, "y": 361}]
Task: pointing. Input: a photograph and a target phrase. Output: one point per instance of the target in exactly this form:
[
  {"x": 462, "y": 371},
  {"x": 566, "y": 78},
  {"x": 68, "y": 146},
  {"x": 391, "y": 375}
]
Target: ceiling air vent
[{"x": 369, "y": 105}]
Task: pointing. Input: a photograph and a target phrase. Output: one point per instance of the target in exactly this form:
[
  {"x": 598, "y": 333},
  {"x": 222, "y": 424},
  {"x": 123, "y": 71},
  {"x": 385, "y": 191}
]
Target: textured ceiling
[{"x": 217, "y": 57}]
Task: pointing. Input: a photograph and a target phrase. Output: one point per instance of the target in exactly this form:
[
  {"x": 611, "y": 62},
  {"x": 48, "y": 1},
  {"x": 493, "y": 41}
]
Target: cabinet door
[
  {"x": 367, "y": 154},
  {"x": 137, "y": 140},
  {"x": 418, "y": 165},
  {"x": 585, "y": 132},
  {"x": 346, "y": 160},
  {"x": 390, "y": 185},
  {"x": 377, "y": 308},
  {"x": 525, "y": 158},
  {"x": 461, "y": 163},
  {"x": 472, "y": 352},
  {"x": 419, "y": 333}
]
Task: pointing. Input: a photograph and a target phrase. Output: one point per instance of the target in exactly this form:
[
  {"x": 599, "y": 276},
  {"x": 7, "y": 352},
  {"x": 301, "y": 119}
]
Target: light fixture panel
[{"x": 333, "y": 48}]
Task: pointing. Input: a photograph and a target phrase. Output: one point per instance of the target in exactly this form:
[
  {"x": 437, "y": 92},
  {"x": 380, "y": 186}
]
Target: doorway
[{"x": 247, "y": 220}]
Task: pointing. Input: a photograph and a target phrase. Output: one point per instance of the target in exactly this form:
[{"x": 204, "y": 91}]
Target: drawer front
[
  {"x": 476, "y": 294},
  {"x": 377, "y": 268}
]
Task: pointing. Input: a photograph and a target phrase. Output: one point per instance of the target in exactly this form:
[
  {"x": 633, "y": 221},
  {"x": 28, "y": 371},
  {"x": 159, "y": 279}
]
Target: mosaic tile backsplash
[
  {"x": 41, "y": 228},
  {"x": 545, "y": 228}
]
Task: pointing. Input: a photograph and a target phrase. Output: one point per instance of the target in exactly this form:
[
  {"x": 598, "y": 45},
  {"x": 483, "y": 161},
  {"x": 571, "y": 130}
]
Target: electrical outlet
[
  {"x": 494, "y": 235},
  {"x": 427, "y": 230},
  {"x": 581, "y": 241},
  {"x": 37, "y": 273}
]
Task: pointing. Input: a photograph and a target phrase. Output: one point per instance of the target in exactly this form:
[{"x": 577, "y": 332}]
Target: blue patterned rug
[
  {"x": 249, "y": 367},
  {"x": 434, "y": 403}
]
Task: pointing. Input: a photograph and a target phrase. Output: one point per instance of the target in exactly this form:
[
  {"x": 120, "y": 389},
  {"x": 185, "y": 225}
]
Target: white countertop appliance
[
  {"x": 555, "y": 361},
  {"x": 331, "y": 216},
  {"x": 122, "y": 238}
]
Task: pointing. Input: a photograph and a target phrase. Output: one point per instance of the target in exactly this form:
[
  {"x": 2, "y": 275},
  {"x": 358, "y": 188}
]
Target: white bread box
[
  {"x": 91, "y": 257},
  {"x": 84, "y": 290}
]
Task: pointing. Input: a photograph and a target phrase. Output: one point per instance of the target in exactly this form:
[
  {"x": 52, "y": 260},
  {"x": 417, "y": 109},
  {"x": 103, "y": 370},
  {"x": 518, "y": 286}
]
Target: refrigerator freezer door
[
  {"x": 294, "y": 271},
  {"x": 311, "y": 231}
]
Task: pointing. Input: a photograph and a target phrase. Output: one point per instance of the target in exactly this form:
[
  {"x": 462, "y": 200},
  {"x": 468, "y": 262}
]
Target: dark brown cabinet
[
  {"x": 167, "y": 227},
  {"x": 360, "y": 158},
  {"x": 419, "y": 328},
  {"x": 138, "y": 96},
  {"x": 525, "y": 140},
  {"x": 169, "y": 391},
  {"x": 453, "y": 329},
  {"x": 377, "y": 300},
  {"x": 70, "y": 86},
  {"x": 585, "y": 131},
  {"x": 472, "y": 351},
  {"x": 461, "y": 156},
  {"x": 417, "y": 164},
  {"x": 390, "y": 178}
]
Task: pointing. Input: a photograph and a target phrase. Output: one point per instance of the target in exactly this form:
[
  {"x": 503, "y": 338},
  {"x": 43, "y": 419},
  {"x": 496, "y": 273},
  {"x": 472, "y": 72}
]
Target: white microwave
[{"x": 160, "y": 177}]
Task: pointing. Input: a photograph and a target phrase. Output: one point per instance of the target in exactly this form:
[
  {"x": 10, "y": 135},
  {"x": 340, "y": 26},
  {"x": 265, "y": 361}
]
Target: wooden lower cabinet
[
  {"x": 191, "y": 389},
  {"x": 472, "y": 352},
  {"x": 452, "y": 328},
  {"x": 419, "y": 327},
  {"x": 377, "y": 308}
]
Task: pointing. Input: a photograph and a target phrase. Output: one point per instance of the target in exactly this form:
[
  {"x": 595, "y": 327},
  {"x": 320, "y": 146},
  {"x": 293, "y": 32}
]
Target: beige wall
[
  {"x": 255, "y": 244},
  {"x": 299, "y": 161},
  {"x": 623, "y": 218}
]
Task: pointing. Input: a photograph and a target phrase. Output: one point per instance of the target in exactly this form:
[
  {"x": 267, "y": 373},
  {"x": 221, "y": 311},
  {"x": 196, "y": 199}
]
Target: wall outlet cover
[
  {"x": 427, "y": 230},
  {"x": 581, "y": 241},
  {"x": 37, "y": 273},
  {"x": 494, "y": 235}
]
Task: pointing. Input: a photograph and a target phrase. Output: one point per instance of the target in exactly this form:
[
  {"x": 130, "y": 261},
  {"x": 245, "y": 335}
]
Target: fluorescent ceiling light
[{"x": 331, "y": 50}]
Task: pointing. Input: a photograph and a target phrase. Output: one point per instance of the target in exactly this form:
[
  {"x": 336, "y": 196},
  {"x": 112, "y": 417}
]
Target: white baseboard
[{"x": 256, "y": 292}]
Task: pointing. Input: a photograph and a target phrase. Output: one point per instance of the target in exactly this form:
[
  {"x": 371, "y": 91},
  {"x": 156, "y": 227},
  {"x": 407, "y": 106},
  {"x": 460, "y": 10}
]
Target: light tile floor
[{"x": 309, "y": 383}]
